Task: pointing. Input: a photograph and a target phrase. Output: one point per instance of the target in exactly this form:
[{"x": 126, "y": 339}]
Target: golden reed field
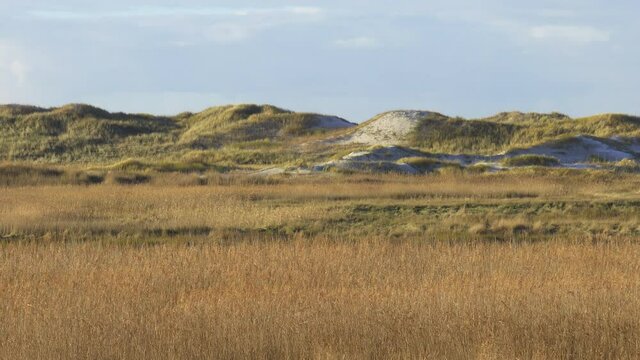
[{"x": 523, "y": 265}]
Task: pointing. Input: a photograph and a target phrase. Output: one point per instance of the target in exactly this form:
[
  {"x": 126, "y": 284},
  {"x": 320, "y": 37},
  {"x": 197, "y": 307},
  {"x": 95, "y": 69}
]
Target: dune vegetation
[
  {"x": 86, "y": 134},
  {"x": 506, "y": 131},
  {"x": 264, "y": 135}
]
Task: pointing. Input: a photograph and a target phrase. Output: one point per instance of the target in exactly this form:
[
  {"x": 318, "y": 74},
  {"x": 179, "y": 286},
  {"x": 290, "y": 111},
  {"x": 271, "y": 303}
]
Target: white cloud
[
  {"x": 19, "y": 70},
  {"x": 154, "y": 12},
  {"x": 569, "y": 33},
  {"x": 361, "y": 42},
  {"x": 305, "y": 10},
  {"x": 544, "y": 26},
  {"x": 13, "y": 69},
  {"x": 241, "y": 28},
  {"x": 227, "y": 33},
  {"x": 555, "y": 13},
  {"x": 194, "y": 25}
]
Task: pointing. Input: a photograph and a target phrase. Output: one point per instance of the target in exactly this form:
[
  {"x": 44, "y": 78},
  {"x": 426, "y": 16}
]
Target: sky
[{"x": 351, "y": 58}]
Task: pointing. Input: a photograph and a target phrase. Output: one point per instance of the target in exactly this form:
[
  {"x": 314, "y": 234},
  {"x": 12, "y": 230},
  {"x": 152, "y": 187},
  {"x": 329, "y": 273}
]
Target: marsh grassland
[{"x": 528, "y": 264}]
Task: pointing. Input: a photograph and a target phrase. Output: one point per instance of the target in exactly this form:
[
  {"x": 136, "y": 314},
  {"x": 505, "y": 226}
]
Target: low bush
[
  {"x": 126, "y": 178},
  {"x": 421, "y": 164},
  {"x": 35, "y": 174},
  {"x": 479, "y": 168},
  {"x": 627, "y": 165},
  {"x": 530, "y": 160}
]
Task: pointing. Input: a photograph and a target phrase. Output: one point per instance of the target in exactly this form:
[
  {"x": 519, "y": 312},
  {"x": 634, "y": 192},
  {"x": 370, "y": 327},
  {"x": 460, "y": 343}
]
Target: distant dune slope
[
  {"x": 219, "y": 125},
  {"x": 261, "y": 135},
  {"x": 493, "y": 135},
  {"x": 85, "y": 133}
]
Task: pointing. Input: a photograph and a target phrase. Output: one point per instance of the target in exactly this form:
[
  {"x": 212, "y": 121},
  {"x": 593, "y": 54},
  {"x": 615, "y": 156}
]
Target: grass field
[{"x": 526, "y": 264}]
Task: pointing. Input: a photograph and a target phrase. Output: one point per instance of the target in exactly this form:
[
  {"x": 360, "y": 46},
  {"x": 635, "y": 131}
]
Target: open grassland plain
[
  {"x": 531, "y": 204},
  {"x": 533, "y": 263}
]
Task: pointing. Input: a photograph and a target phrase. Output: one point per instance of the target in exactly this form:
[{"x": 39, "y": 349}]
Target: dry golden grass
[
  {"x": 453, "y": 266},
  {"x": 320, "y": 299},
  {"x": 357, "y": 206}
]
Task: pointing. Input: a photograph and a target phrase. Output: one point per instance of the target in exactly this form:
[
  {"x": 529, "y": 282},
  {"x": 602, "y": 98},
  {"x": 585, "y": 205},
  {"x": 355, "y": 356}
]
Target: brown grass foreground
[
  {"x": 320, "y": 299},
  {"x": 518, "y": 265}
]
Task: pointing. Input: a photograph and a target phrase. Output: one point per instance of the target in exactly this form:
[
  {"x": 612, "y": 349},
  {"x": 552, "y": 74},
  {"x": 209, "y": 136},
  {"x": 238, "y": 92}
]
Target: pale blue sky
[{"x": 350, "y": 58}]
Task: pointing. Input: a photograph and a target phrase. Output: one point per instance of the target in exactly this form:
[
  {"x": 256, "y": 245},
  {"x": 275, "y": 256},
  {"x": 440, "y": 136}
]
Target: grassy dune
[
  {"x": 261, "y": 135},
  {"x": 86, "y": 134},
  {"x": 506, "y": 131}
]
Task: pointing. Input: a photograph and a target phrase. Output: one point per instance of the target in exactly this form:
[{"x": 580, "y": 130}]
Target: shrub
[
  {"x": 126, "y": 178},
  {"x": 425, "y": 164},
  {"x": 421, "y": 162},
  {"x": 479, "y": 168},
  {"x": 512, "y": 226},
  {"x": 598, "y": 159},
  {"x": 530, "y": 160},
  {"x": 88, "y": 178},
  {"x": 129, "y": 164},
  {"x": 16, "y": 174},
  {"x": 185, "y": 167},
  {"x": 480, "y": 228},
  {"x": 450, "y": 169},
  {"x": 627, "y": 165}
]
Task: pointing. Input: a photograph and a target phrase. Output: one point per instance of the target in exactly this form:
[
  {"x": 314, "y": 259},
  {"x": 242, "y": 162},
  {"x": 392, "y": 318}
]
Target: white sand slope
[
  {"x": 635, "y": 146},
  {"x": 391, "y": 128},
  {"x": 390, "y": 153},
  {"x": 579, "y": 149},
  {"x": 378, "y": 160}
]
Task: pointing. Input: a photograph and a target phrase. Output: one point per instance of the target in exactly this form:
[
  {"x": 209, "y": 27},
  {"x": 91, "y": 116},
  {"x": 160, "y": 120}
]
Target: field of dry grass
[
  {"x": 319, "y": 299},
  {"x": 454, "y": 266},
  {"x": 440, "y": 207}
]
